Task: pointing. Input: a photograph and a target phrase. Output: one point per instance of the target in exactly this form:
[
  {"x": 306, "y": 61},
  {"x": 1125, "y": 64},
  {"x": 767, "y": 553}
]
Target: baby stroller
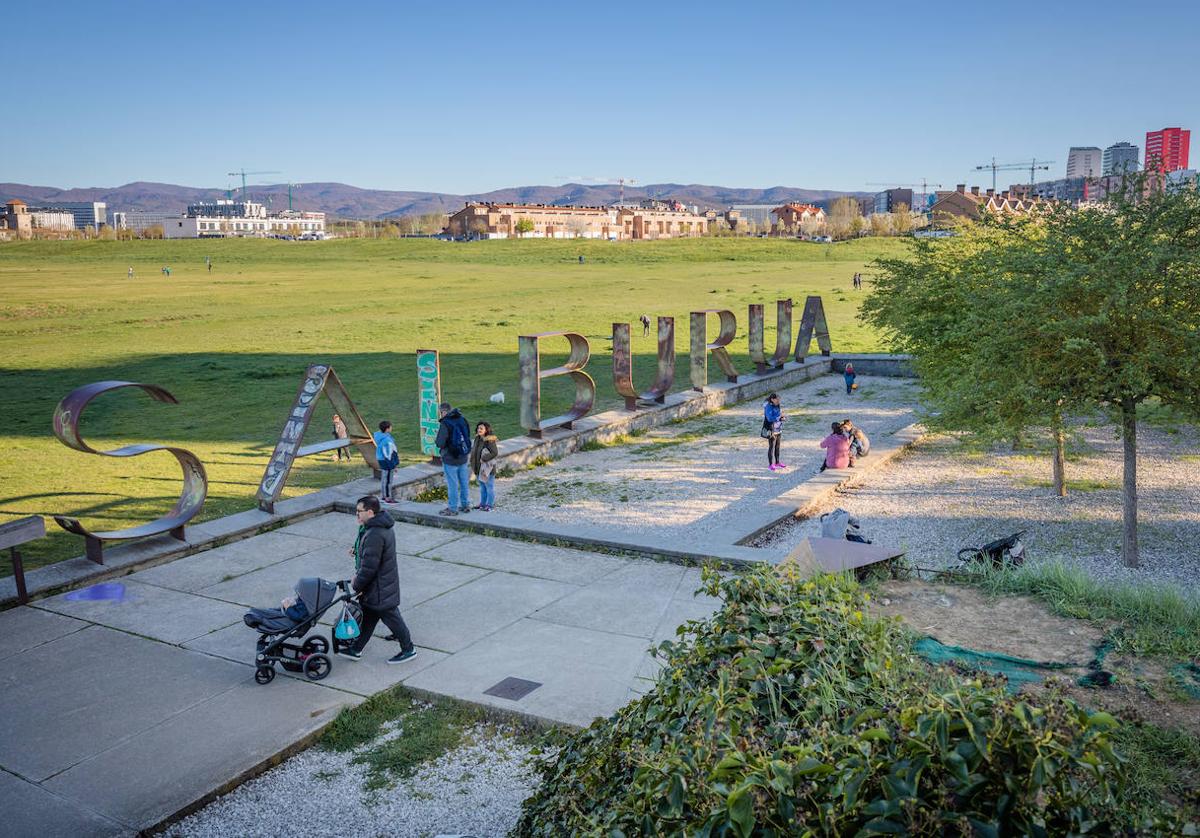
[{"x": 277, "y": 628}]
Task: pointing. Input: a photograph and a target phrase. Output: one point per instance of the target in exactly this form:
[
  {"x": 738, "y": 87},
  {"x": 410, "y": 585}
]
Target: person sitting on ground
[
  {"x": 837, "y": 448},
  {"x": 860, "y": 445}
]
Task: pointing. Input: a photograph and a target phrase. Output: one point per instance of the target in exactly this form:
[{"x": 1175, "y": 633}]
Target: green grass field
[{"x": 232, "y": 345}]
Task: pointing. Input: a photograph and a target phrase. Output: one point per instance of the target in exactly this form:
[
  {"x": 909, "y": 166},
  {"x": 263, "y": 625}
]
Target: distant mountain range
[{"x": 342, "y": 201}]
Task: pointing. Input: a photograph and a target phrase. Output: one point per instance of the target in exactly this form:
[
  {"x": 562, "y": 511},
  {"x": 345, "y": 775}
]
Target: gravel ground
[
  {"x": 695, "y": 478},
  {"x": 475, "y": 789},
  {"x": 942, "y": 496}
]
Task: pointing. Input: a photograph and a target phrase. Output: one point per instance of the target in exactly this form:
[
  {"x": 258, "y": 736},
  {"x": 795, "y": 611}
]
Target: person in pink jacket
[{"x": 837, "y": 448}]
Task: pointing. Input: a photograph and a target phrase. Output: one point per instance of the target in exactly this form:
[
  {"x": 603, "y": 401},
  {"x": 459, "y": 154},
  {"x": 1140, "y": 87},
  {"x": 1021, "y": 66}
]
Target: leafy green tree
[{"x": 523, "y": 226}]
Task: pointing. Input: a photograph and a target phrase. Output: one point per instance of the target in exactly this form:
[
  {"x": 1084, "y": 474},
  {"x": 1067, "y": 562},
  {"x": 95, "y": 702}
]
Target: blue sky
[{"x": 468, "y": 97}]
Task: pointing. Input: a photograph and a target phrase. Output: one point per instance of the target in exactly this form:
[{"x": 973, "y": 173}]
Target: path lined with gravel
[
  {"x": 942, "y": 496},
  {"x": 694, "y": 479}
]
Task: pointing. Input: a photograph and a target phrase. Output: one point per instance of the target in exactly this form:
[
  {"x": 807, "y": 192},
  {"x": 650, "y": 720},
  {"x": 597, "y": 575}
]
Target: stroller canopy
[{"x": 317, "y": 594}]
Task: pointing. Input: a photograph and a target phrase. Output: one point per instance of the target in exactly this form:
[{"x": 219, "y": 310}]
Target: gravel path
[
  {"x": 695, "y": 478},
  {"x": 475, "y": 789},
  {"x": 943, "y": 496}
]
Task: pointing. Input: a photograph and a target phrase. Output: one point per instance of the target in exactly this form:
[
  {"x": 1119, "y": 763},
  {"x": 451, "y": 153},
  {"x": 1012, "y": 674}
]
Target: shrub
[{"x": 791, "y": 713}]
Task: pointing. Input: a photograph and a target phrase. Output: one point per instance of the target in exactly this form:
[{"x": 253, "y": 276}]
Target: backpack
[{"x": 459, "y": 444}]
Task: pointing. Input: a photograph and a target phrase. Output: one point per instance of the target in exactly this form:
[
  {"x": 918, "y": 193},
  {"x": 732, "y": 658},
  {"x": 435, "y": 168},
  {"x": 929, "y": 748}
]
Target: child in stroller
[{"x": 293, "y": 620}]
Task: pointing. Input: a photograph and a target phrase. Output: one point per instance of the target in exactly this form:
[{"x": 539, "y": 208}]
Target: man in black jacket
[
  {"x": 377, "y": 580},
  {"x": 454, "y": 445}
]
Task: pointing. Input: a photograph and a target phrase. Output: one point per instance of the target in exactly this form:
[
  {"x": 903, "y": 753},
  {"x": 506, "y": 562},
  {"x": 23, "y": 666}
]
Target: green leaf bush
[{"x": 790, "y": 712}]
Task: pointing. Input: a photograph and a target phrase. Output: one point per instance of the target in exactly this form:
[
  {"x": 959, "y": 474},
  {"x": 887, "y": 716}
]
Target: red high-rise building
[{"x": 1167, "y": 150}]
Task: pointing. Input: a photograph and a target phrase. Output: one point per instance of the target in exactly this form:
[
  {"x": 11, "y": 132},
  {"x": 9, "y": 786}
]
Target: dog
[{"x": 497, "y": 398}]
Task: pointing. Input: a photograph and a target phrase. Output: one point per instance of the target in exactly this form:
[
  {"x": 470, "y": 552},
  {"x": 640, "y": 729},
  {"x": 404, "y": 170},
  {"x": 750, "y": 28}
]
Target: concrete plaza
[{"x": 129, "y": 701}]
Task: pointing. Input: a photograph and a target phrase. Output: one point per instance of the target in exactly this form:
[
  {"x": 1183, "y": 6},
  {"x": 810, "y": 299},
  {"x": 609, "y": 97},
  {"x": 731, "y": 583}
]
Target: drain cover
[{"x": 514, "y": 689}]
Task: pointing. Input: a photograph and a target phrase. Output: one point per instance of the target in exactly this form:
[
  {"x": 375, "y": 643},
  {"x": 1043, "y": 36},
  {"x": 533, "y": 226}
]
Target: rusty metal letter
[
  {"x": 318, "y": 379},
  {"x": 531, "y": 382},
  {"x": 195, "y": 480},
  {"x": 783, "y": 336},
  {"x": 701, "y": 346},
  {"x": 813, "y": 324},
  {"x": 623, "y": 364}
]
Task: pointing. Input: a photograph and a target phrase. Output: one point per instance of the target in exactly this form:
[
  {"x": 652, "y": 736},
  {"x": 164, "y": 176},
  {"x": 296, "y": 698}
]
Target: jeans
[
  {"x": 385, "y": 483},
  {"x": 390, "y": 618},
  {"x": 773, "y": 449},
  {"x": 849, "y": 386},
  {"x": 457, "y": 481},
  {"x": 487, "y": 490}
]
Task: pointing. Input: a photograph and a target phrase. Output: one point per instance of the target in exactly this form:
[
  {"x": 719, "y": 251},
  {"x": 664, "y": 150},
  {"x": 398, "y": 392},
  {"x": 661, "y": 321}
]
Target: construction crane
[
  {"x": 1033, "y": 166},
  {"x": 242, "y": 173},
  {"x": 924, "y": 184},
  {"x": 291, "y": 186}
]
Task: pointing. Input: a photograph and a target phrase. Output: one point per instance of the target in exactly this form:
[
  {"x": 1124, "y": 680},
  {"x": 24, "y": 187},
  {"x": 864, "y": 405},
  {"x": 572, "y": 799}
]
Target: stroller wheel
[
  {"x": 317, "y": 667},
  {"x": 264, "y": 674},
  {"x": 316, "y": 645}
]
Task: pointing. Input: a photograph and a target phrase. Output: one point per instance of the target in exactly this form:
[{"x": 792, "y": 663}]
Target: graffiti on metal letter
[
  {"x": 429, "y": 381},
  {"x": 783, "y": 336},
  {"x": 701, "y": 347},
  {"x": 623, "y": 364},
  {"x": 531, "y": 382},
  {"x": 812, "y": 324},
  {"x": 318, "y": 379},
  {"x": 195, "y": 481}
]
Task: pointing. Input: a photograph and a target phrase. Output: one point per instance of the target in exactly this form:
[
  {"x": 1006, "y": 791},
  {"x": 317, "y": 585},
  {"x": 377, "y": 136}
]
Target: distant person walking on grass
[
  {"x": 645, "y": 321},
  {"x": 837, "y": 448},
  {"x": 772, "y": 430},
  {"x": 483, "y": 463},
  {"x": 848, "y": 375},
  {"x": 377, "y": 581},
  {"x": 340, "y": 432},
  {"x": 454, "y": 444},
  {"x": 129, "y": 273},
  {"x": 208, "y": 263},
  {"x": 388, "y": 456}
]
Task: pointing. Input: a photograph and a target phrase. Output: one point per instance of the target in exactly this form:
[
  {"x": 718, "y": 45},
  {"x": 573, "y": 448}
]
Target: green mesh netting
[
  {"x": 1018, "y": 671},
  {"x": 1187, "y": 676}
]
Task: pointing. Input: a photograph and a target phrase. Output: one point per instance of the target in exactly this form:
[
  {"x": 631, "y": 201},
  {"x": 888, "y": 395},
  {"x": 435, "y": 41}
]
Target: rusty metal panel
[
  {"x": 318, "y": 379},
  {"x": 813, "y": 324},
  {"x": 701, "y": 347},
  {"x": 623, "y": 364},
  {"x": 532, "y": 374},
  {"x": 783, "y": 336},
  {"x": 195, "y": 480}
]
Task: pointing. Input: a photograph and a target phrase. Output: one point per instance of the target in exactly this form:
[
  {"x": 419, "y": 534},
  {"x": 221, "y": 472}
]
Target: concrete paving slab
[
  {"x": 24, "y": 628},
  {"x": 233, "y": 643},
  {"x": 152, "y": 775},
  {"x": 677, "y": 612},
  {"x": 457, "y": 619},
  {"x": 264, "y": 588},
  {"x": 166, "y": 615},
  {"x": 559, "y": 563},
  {"x": 372, "y": 673},
  {"x": 424, "y": 579},
  {"x": 691, "y": 582},
  {"x": 73, "y": 697},
  {"x": 413, "y": 539},
  {"x": 630, "y": 600},
  {"x": 583, "y": 673},
  {"x": 209, "y": 567},
  {"x": 30, "y": 810},
  {"x": 335, "y": 527}
]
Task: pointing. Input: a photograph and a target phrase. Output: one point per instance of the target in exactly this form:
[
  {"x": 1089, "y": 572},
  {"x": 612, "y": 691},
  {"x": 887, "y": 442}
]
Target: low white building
[
  {"x": 51, "y": 219},
  {"x": 227, "y": 218}
]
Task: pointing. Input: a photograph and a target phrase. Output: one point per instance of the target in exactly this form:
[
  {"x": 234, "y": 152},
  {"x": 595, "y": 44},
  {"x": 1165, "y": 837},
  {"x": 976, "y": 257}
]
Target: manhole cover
[{"x": 514, "y": 689}]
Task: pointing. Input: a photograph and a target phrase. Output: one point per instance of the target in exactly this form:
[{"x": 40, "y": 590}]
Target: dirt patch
[
  {"x": 1142, "y": 690},
  {"x": 1016, "y": 626}
]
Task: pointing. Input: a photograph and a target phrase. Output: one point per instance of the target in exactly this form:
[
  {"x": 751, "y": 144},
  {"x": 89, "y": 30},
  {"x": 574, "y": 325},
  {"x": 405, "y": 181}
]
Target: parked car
[{"x": 823, "y": 240}]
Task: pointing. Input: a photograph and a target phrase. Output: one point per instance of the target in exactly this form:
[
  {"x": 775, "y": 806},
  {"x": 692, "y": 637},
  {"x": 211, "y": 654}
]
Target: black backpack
[{"x": 460, "y": 445}]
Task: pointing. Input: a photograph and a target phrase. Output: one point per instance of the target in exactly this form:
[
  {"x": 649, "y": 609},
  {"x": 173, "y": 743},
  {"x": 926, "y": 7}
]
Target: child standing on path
[
  {"x": 483, "y": 455},
  {"x": 388, "y": 456},
  {"x": 849, "y": 375},
  {"x": 773, "y": 430}
]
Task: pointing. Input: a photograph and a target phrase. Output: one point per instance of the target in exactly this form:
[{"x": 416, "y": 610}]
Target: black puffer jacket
[
  {"x": 378, "y": 577},
  {"x": 445, "y": 434}
]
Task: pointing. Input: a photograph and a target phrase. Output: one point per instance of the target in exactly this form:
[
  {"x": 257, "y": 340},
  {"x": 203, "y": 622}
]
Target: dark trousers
[
  {"x": 390, "y": 618},
  {"x": 773, "y": 449}
]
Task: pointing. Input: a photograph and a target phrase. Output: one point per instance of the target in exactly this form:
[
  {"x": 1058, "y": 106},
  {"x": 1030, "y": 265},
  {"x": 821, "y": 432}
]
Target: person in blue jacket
[
  {"x": 849, "y": 377},
  {"x": 773, "y": 430}
]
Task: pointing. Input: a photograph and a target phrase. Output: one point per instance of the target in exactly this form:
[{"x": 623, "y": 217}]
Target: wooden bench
[{"x": 15, "y": 533}]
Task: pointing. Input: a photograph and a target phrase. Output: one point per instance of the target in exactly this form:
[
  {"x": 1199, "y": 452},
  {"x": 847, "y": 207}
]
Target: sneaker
[
  {"x": 349, "y": 653},
  {"x": 771, "y": 467},
  {"x": 465, "y": 510},
  {"x": 403, "y": 656},
  {"x": 479, "y": 506},
  {"x": 486, "y": 508},
  {"x": 448, "y": 512},
  {"x": 780, "y": 465}
]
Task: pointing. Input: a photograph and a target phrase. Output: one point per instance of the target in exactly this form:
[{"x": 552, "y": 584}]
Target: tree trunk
[
  {"x": 1060, "y": 456},
  {"x": 1129, "y": 544}
]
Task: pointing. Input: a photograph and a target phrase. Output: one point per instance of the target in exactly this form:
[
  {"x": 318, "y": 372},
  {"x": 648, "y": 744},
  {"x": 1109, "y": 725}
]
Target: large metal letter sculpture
[
  {"x": 531, "y": 382},
  {"x": 318, "y": 379},
  {"x": 783, "y": 336},
  {"x": 812, "y": 324},
  {"x": 623, "y": 364},
  {"x": 701, "y": 346},
  {"x": 195, "y": 481},
  {"x": 429, "y": 380}
]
